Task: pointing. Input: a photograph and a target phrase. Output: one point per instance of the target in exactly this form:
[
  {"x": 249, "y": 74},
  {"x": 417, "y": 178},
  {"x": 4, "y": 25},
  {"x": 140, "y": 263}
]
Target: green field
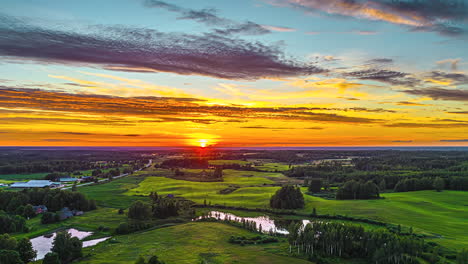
[
  {"x": 111, "y": 194},
  {"x": 8, "y": 178},
  {"x": 189, "y": 243},
  {"x": 439, "y": 214}
]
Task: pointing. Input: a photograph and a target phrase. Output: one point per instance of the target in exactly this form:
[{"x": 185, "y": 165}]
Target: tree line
[
  {"x": 353, "y": 190},
  {"x": 54, "y": 199},
  {"x": 13, "y": 251},
  {"x": 329, "y": 239}
]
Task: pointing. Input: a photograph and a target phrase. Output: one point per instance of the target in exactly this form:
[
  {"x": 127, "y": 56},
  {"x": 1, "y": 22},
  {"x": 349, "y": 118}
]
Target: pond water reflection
[
  {"x": 268, "y": 224},
  {"x": 43, "y": 244}
]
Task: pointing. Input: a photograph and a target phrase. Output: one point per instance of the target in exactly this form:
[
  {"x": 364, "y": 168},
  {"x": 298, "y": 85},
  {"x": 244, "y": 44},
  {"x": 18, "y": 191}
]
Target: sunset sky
[{"x": 233, "y": 73}]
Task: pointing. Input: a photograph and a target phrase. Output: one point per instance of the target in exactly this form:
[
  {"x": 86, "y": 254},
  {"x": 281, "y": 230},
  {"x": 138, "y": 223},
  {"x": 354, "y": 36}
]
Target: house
[
  {"x": 65, "y": 213},
  {"x": 87, "y": 179},
  {"x": 39, "y": 209},
  {"x": 68, "y": 180},
  {"x": 35, "y": 184}
]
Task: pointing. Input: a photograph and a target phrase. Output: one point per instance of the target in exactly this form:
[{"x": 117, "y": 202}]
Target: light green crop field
[
  {"x": 189, "y": 243},
  {"x": 111, "y": 194}
]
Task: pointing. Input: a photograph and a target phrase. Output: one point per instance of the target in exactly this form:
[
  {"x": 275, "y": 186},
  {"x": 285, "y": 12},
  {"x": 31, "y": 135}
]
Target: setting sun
[{"x": 202, "y": 142}]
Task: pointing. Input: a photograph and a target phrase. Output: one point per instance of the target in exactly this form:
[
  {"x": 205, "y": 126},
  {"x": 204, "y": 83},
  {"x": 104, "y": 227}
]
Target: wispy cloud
[
  {"x": 140, "y": 49},
  {"x": 445, "y": 17},
  {"x": 441, "y": 93},
  {"x": 160, "y": 109},
  {"x": 210, "y": 17},
  {"x": 454, "y": 140}
]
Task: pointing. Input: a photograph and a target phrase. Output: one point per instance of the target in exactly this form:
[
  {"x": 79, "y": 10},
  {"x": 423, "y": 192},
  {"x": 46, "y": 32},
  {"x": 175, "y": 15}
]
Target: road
[{"x": 103, "y": 180}]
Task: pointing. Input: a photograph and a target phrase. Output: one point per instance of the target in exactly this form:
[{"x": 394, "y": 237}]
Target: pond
[
  {"x": 43, "y": 244},
  {"x": 268, "y": 224}
]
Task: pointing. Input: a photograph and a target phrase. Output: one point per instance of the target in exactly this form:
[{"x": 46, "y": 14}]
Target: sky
[{"x": 262, "y": 73}]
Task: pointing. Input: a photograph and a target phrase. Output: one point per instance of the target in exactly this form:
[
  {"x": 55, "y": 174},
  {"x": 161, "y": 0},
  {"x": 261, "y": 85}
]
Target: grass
[
  {"x": 189, "y": 243},
  {"x": 111, "y": 194},
  {"x": 8, "y": 178},
  {"x": 441, "y": 215}
]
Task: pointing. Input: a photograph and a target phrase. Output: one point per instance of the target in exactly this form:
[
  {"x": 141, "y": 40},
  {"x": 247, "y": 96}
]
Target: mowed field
[
  {"x": 189, "y": 243},
  {"x": 442, "y": 215}
]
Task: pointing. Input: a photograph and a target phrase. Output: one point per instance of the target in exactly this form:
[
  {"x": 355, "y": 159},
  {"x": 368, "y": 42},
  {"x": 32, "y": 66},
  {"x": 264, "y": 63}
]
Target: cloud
[
  {"x": 455, "y": 78},
  {"x": 209, "y": 17},
  {"x": 427, "y": 125},
  {"x": 402, "y": 141},
  {"x": 382, "y": 75},
  {"x": 248, "y": 28},
  {"x": 444, "y": 17},
  {"x": 163, "y": 109},
  {"x": 452, "y": 62},
  {"x": 454, "y": 140},
  {"x": 364, "y": 32},
  {"x": 459, "y": 112},
  {"x": 409, "y": 103},
  {"x": 280, "y": 128},
  {"x": 380, "y": 61},
  {"x": 279, "y": 29},
  {"x": 441, "y": 94},
  {"x": 124, "y": 49}
]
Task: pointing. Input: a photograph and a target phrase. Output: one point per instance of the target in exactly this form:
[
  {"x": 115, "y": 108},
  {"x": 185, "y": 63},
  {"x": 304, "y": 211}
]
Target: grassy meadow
[
  {"x": 189, "y": 243},
  {"x": 441, "y": 215}
]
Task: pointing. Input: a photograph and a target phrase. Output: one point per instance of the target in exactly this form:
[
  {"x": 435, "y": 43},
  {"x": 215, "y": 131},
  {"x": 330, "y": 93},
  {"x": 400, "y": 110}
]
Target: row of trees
[
  {"x": 158, "y": 207},
  {"x": 14, "y": 251},
  {"x": 429, "y": 183},
  {"x": 350, "y": 241},
  {"x": 12, "y": 223},
  {"x": 54, "y": 199},
  {"x": 353, "y": 190},
  {"x": 288, "y": 197}
]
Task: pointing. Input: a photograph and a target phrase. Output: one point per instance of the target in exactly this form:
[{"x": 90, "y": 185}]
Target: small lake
[
  {"x": 43, "y": 244},
  {"x": 276, "y": 226}
]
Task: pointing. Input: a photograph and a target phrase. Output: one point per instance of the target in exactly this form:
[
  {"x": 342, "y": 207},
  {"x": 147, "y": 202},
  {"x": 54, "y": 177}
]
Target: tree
[
  {"x": 155, "y": 260},
  {"x": 74, "y": 188},
  {"x": 7, "y": 242},
  {"x": 462, "y": 257},
  {"x": 67, "y": 247},
  {"x": 10, "y": 257},
  {"x": 49, "y": 218},
  {"x": 315, "y": 185},
  {"x": 25, "y": 250},
  {"x": 382, "y": 185},
  {"x": 218, "y": 173},
  {"x": 139, "y": 210},
  {"x": 140, "y": 260},
  {"x": 28, "y": 211},
  {"x": 288, "y": 197},
  {"x": 439, "y": 184},
  {"x": 51, "y": 258}
]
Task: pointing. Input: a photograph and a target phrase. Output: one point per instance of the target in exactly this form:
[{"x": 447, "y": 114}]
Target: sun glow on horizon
[{"x": 203, "y": 142}]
